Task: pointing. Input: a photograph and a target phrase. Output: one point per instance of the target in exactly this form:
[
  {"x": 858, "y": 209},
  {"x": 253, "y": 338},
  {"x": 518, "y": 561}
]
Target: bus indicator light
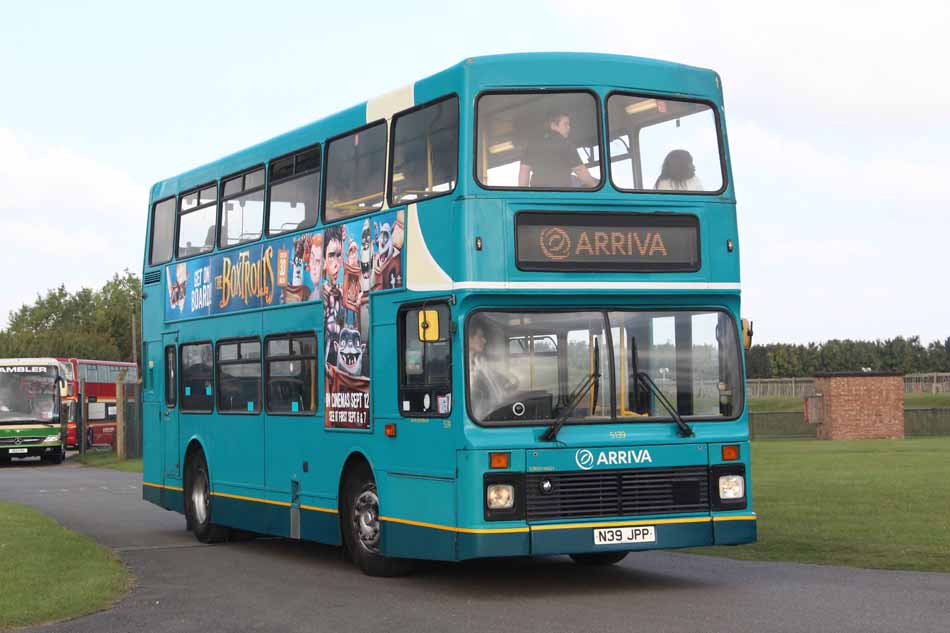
[
  {"x": 391, "y": 430},
  {"x": 730, "y": 453},
  {"x": 499, "y": 460}
]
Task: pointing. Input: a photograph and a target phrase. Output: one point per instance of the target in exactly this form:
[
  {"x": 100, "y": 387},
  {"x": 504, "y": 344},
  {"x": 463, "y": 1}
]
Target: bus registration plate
[
  {"x": 18, "y": 451},
  {"x": 616, "y": 536}
]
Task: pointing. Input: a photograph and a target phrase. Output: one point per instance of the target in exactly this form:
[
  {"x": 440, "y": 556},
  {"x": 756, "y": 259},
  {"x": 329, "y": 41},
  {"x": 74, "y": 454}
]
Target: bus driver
[{"x": 488, "y": 385}]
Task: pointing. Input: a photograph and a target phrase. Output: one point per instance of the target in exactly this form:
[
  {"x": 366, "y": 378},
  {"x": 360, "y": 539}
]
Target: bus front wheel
[
  {"x": 599, "y": 559},
  {"x": 198, "y": 502},
  {"x": 362, "y": 528}
]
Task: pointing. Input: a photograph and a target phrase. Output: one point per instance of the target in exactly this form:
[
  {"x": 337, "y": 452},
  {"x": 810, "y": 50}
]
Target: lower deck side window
[
  {"x": 291, "y": 378},
  {"x": 196, "y": 378},
  {"x": 239, "y": 377}
]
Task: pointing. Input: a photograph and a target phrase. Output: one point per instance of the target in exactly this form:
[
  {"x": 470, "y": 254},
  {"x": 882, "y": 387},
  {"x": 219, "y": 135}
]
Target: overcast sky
[{"x": 838, "y": 114}]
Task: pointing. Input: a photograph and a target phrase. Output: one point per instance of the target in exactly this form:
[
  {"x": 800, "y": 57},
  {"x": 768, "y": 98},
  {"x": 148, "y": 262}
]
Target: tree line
[
  {"x": 94, "y": 324},
  {"x": 904, "y": 355}
]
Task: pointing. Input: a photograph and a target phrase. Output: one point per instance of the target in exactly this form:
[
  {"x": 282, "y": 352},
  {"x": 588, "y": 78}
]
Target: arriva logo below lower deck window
[{"x": 585, "y": 458}]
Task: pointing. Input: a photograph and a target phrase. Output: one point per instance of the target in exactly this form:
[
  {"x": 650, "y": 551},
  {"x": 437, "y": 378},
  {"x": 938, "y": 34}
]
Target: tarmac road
[{"x": 282, "y": 585}]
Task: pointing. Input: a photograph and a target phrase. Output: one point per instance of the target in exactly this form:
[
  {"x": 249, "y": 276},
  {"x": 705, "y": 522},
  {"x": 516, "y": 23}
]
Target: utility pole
[
  {"x": 135, "y": 345},
  {"x": 83, "y": 419},
  {"x": 120, "y": 417}
]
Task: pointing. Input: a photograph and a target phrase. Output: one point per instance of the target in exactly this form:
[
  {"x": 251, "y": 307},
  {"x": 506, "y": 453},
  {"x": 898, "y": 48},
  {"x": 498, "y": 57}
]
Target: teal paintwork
[
  {"x": 630, "y": 456},
  {"x": 735, "y": 532},
  {"x": 432, "y": 471}
]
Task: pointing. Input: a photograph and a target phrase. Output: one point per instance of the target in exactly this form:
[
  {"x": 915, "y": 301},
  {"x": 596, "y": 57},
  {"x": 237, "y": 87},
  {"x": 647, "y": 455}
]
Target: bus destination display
[{"x": 607, "y": 242}]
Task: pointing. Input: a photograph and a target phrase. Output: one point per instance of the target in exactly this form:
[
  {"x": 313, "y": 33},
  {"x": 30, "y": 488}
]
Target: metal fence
[
  {"x": 804, "y": 387},
  {"x": 129, "y": 424},
  {"x": 780, "y": 388},
  {"x": 927, "y": 383}
]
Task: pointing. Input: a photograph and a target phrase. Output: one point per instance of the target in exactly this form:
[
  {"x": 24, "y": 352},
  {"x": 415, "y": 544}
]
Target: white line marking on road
[{"x": 147, "y": 548}]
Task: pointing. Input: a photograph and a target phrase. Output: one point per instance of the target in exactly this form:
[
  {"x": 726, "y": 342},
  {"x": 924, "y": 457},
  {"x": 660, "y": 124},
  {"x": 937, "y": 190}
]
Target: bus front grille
[
  {"x": 611, "y": 493},
  {"x": 13, "y": 441}
]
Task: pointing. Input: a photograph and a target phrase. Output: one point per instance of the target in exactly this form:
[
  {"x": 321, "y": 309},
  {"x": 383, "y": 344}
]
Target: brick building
[{"x": 860, "y": 405}]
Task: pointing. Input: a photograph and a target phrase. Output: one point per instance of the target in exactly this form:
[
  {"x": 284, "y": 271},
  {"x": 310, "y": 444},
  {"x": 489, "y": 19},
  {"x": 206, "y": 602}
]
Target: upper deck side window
[
  {"x": 242, "y": 208},
  {"x": 539, "y": 140},
  {"x": 425, "y": 152},
  {"x": 356, "y": 173},
  {"x": 294, "y": 191},
  {"x": 197, "y": 211},
  {"x": 163, "y": 232},
  {"x": 663, "y": 145}
]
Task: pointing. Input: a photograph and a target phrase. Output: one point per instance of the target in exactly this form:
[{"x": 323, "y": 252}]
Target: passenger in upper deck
[
  {"x": 678, "y": 173},
  {"x": 553, "y": 161}
]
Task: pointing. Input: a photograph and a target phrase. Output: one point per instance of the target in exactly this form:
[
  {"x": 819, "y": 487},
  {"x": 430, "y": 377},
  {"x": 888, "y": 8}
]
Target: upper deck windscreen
[
  {"x": 663, "y": 145},
  {"x": 539, "y": 140}
]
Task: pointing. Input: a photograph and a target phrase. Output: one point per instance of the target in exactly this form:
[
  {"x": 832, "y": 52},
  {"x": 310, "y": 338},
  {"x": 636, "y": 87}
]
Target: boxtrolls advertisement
[{"x": 339, "y": 266}]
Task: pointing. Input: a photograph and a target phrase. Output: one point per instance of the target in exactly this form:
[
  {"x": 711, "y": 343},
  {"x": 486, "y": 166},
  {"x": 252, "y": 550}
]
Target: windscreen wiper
[
  {"x": 647, "y": 382},
  {"x": 592, "y": 381}
]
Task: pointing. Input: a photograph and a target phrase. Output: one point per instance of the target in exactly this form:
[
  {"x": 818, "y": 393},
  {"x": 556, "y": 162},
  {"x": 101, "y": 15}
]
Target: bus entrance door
[{"x": 169, "y": 423}]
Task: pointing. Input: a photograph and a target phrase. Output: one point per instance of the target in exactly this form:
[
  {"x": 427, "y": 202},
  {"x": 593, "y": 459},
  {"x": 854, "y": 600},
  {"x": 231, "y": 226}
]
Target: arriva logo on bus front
[
  {"x": 585, "y": 458},
  {"x": 556, "y": 243}
]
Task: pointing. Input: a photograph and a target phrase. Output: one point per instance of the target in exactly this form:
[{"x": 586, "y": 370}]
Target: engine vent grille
[{"x": 611, "y": 493}]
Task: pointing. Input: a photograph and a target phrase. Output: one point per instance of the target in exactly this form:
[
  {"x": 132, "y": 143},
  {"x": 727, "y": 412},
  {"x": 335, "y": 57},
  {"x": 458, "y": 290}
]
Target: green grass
[
  {"x": 109, "y": 460},
  {"x": 872, "y": 503},
  {"x": 774, "y": 405},
  {"x": 49, "y": 573},
  {"x": 911, "y": 401},
  {"x": 926, "y": 400}
]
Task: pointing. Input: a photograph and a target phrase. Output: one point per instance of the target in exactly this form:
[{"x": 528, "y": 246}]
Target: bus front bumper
[
  {"x": 578, "y": 538},
  {"x": 39, "y": 450}
]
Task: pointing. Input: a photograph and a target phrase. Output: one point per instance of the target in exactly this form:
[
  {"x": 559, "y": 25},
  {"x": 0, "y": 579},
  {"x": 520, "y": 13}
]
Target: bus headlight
[
  {"x": 50, "y": 439},
  {"x": 731, "y": 487},
  {"x": 501, "y": 496}
]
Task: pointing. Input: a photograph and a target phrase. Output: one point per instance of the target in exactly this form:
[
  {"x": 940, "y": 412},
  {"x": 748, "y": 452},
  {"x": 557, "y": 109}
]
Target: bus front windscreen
[
  {"x": 27, "y": 393},
  {"x": 531, "y": 367}
]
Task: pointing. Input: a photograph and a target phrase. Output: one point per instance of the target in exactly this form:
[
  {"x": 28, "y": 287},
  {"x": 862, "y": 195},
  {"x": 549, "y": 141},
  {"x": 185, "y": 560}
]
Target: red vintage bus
[{"x": 100, "y": 377}]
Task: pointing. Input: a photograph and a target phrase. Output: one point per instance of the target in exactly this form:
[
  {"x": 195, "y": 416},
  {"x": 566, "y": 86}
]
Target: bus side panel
[
  {"x": 433, "y": 502},
  {"x": 152, "y": 463}
]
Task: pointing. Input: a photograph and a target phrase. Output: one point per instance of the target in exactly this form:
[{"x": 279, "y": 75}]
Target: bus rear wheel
[
  {"x": 362, "y": 528},
  {"x": 599, "y": 559},
  {"x": 198, "y": 502}
]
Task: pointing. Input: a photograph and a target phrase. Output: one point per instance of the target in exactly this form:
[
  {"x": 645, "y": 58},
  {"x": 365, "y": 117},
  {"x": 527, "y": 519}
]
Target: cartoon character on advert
[
  {"x": 350, "y": 353},
  {"x": 297, "y": 291},
  {"x": 315, "y": 259},
  {"x": 332, "y": 294},
  {"x": 366, "y": 258},
  {"x": 177, "y": 286},
  {"x": 387, "y": 267}
]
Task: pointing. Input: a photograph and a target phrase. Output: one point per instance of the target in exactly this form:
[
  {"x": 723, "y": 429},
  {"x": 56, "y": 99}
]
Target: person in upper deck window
[
  {"x": 678, "y": 173},
  {"x": 553, "y": 163}
]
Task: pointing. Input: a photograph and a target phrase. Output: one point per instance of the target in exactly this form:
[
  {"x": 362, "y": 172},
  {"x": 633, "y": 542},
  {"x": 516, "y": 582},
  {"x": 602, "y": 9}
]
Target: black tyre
[
  {"x": 198, "y": 502},
  {"x": 599, "y": 559},
  {"x": 362, "y": 529},
  {"x": 56, "y": 458}
]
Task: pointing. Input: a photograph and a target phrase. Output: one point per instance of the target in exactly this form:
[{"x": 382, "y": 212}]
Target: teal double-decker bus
[{"x": 492, "y": 313}]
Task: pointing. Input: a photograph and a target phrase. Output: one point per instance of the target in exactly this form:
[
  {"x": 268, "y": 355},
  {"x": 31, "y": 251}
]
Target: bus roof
[
  {"x": 514, "y": 69},
  {"x": 8, "y": 362}
]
